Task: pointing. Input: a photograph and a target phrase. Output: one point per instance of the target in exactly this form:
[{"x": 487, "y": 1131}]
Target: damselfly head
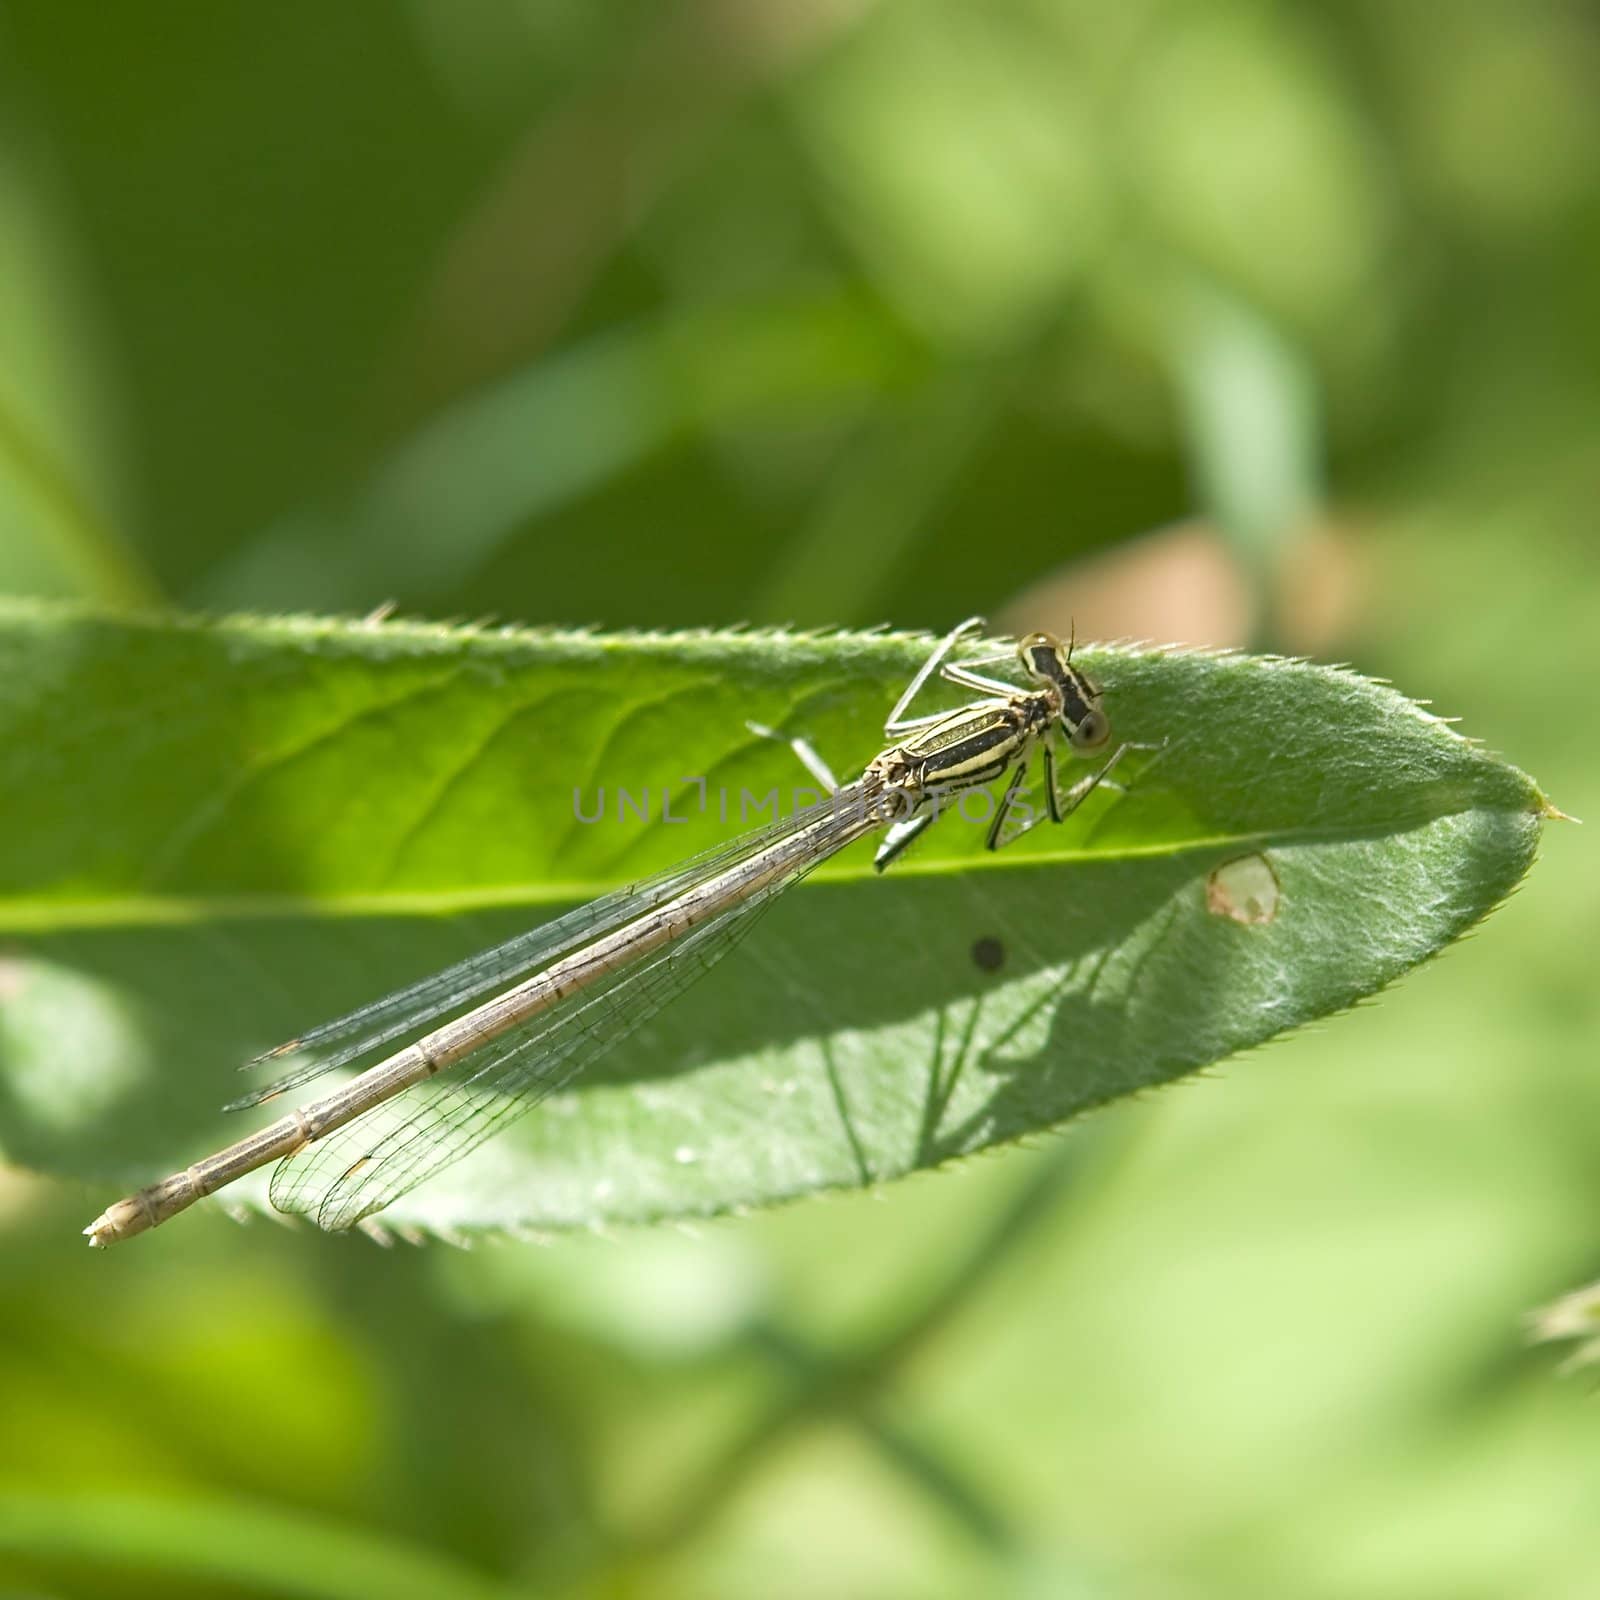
[
  {"x": 1047, "y": 660},
  {"x": 1043, "y": 657}
]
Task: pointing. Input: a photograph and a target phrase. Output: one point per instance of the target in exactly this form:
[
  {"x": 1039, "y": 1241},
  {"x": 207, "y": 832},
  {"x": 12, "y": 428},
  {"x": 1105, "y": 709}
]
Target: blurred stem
[
  {"x": 247, "y": 1547},
  {"x": 814, "y": 1369},
  {"x": 579, "y": 181},
  {"x": 848, "y": 1383},
  {"x": 91, "y": 553},
  {"x": 1253, "y": 417},
  {"x": 842, "y": 567}
]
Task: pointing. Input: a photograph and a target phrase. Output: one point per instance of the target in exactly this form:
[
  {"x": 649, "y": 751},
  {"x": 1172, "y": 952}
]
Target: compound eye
[{"x": 1092, "y": 731}]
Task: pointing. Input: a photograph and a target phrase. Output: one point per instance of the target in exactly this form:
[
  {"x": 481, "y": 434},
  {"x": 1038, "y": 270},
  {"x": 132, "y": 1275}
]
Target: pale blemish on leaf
[{"x": 1244, "y": 890}]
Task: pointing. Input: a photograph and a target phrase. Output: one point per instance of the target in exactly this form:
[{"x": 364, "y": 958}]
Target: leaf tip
[{"x": 1551, "y": 812}]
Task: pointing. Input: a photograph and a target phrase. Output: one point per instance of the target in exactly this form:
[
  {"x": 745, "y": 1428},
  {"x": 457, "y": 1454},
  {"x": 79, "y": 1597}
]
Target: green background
[{"x": 681, "y": 315}]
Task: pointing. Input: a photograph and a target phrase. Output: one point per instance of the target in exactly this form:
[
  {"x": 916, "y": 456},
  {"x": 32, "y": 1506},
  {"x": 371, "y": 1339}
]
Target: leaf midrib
[{"x": 36, "y": 915}]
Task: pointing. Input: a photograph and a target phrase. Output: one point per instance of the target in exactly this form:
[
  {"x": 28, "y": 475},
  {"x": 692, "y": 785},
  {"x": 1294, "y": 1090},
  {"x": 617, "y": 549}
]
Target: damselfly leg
[
  {"x": 805, "y": 752},
  {"x": 897, "y": 722},
  {"x": 1060, "y": 802}
]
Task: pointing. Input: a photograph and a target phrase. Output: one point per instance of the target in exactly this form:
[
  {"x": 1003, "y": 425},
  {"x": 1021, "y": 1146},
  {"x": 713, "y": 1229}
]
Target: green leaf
[
  {"x": 220, "y": 833},
  {"x": 258, "y": 1549}
]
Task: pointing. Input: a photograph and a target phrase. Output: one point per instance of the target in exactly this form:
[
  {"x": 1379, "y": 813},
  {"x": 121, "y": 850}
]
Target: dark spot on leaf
[{"x": 988, "y": 954}]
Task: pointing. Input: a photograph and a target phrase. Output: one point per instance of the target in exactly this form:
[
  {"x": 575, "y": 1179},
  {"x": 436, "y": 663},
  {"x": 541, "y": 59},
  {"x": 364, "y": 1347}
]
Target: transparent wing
[
  {"x": 369, "y": 1163},
  {"x": 435, "y": 999}
]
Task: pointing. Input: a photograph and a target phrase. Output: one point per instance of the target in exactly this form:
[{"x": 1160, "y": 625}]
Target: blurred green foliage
[{"x": 687, "y": 314}]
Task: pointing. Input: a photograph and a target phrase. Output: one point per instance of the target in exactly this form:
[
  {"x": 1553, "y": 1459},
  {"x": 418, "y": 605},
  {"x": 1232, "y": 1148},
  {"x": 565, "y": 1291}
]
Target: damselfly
[{"x": 493, "y": 1035}]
